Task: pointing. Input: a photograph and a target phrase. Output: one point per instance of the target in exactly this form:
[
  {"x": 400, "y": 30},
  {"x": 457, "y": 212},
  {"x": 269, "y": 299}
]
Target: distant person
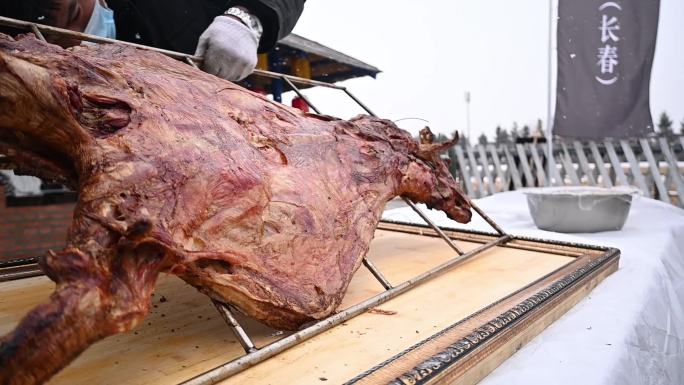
[{"x": 227, "y": 34}]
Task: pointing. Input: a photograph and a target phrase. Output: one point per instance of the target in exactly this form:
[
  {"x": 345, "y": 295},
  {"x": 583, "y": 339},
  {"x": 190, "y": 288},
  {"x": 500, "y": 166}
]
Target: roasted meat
[{"x": 253, "y": 203}]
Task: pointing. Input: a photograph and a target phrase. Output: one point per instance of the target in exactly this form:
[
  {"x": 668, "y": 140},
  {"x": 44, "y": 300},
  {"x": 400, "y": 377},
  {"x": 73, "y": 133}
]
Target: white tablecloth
[{"x": 630, "y": 329}]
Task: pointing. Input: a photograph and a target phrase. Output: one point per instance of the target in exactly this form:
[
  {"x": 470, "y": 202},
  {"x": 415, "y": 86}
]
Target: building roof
[
  {"x": 312, "y": 47},
  {"x": 327, "y": 64}
]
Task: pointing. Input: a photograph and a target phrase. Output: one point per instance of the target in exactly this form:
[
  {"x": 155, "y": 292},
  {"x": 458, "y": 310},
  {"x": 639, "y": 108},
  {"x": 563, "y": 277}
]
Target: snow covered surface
[
  {"x": 630, "y": 329},
  {"x": 22, "y": 185}
]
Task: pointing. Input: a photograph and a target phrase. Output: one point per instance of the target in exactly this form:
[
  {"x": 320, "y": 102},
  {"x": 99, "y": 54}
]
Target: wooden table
[{"x": 184, "y": 335}]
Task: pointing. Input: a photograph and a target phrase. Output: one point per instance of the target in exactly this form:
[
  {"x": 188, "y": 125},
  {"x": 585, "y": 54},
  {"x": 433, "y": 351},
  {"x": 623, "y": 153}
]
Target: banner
[{"x": 605, "y": 52}]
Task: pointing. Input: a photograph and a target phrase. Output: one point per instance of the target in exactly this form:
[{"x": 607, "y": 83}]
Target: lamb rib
[{"x": 253, "y": 203}]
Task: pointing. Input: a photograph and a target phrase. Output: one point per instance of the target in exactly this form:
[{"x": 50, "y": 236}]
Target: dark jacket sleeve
[{"x": 278, "y": 18}]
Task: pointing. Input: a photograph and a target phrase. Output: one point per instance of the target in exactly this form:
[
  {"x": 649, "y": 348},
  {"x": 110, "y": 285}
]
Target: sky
[{"x": 432, "y": 52}]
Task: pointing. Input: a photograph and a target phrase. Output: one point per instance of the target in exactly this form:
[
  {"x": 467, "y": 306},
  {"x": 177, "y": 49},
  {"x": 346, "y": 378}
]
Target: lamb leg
[
  {"x": 52, "y": 335},
  {"x": 92, "y": 301}
]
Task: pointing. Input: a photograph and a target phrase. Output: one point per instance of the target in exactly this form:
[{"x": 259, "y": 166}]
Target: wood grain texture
[
  {"x": 509, "y": 342},
  {"x": 184, "y": 336},
  {"x": 495, "y": 339}
]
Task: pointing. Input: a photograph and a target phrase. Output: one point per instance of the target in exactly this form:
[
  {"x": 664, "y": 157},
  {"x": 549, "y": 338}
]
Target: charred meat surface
[{"x": 253, "y": 203}]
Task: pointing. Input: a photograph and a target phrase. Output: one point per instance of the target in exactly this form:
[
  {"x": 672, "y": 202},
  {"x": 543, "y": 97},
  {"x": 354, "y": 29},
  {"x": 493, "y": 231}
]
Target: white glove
[{"x": 229, "y": 49}]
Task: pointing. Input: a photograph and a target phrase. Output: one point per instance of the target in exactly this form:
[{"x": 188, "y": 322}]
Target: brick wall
[{"x": 31, "y": 230}]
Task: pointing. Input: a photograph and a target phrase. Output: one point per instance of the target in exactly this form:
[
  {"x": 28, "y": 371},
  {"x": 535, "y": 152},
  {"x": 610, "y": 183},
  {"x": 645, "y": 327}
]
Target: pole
[
  {"x": 549, "y": 129},
  {"x": 467, "y": 100}
]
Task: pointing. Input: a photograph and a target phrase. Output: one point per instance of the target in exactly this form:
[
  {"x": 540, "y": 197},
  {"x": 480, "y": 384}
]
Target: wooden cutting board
[{"x": 184, "y": 335}]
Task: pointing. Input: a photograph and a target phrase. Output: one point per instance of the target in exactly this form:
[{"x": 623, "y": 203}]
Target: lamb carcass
[{"x": 253, "y": 203}]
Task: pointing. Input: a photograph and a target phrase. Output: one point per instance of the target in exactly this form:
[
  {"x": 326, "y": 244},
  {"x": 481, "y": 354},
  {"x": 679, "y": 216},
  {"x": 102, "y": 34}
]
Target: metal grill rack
[{"x": 28, "y": 267}]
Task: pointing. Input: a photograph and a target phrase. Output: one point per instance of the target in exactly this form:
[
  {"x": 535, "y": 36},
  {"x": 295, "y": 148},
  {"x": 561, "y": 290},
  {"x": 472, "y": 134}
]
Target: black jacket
[{"x": 177, "y": 24}]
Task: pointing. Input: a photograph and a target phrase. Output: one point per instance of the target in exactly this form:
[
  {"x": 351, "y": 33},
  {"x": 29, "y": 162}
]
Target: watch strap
[{"x": 247, "y": 19}]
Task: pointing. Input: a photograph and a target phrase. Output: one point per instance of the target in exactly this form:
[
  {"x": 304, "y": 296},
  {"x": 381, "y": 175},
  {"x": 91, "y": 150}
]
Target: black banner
[{"x": 605, "y": 52}]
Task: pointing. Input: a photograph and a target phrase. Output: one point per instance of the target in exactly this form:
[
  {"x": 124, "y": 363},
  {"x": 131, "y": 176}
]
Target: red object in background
[
  {"x": 259, "y": 90},
  {"x": 298, "y": 102}
]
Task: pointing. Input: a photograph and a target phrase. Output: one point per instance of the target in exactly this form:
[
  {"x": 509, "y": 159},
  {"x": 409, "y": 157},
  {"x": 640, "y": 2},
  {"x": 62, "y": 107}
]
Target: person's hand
[{"x": 229, "y": 48}]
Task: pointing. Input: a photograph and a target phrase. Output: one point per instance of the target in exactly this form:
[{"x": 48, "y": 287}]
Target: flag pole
[
  {"x": 467, "y": 100},
  {"x": 549, "y": 129}
]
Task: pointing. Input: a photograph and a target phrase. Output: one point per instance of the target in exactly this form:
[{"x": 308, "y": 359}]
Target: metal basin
[{"x": 579, "y": 209}]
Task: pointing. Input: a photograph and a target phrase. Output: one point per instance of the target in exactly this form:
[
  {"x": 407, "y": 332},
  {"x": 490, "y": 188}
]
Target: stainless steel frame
[
  {"x": 253, "y": 354},
  {"x": 19, "y": 268}
]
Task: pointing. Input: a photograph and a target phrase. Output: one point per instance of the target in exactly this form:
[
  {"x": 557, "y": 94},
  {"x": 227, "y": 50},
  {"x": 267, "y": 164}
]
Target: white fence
[{"x": 655, "y": 165}]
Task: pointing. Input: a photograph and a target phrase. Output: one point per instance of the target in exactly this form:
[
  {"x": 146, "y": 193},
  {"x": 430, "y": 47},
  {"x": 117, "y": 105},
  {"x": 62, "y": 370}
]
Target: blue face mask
[{"x": 101, "y": 22}]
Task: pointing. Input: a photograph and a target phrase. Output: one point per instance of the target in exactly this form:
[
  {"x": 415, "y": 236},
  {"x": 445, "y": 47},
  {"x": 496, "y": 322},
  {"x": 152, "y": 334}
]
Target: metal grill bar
[
  {"x": 48, "y": 30},
  {"x": 191, "y": 62},
  {"x": 295, "y": 79},
  {"x": 439, "y": 231},
  {"x": 371, "y": 113},
  {"x": 19, "y": 268},
  {"x": 376, "y": 273},
  {"x": 11, "y": 274},
  {"x": 484, "y": 216},
  {"x": 301, "y": 95},
  {"x": 224, "y": 371},
  {"x": 37, "y": 32},
  {"x": 19, "y": 262},
  {"x": 235, "y": 326}
]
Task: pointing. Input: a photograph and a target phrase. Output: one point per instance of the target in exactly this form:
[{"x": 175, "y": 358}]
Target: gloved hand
[{"x": 229, "y": 49}]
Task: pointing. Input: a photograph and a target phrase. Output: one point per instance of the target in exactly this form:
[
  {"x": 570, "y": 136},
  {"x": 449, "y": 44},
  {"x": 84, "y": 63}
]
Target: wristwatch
[{"x": 247, "y": 19}]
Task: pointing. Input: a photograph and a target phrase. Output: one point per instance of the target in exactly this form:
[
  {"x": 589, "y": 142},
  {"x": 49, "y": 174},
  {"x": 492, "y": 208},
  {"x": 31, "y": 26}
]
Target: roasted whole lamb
[{"x": 253, "y": 203}]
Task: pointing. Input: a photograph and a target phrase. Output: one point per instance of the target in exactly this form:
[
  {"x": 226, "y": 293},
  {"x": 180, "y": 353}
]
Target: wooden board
[{"x": 184, "y": 335}]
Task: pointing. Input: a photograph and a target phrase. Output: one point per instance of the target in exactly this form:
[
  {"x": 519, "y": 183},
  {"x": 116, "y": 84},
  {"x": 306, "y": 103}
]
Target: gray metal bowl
[{"x": 580, "y": 209}]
